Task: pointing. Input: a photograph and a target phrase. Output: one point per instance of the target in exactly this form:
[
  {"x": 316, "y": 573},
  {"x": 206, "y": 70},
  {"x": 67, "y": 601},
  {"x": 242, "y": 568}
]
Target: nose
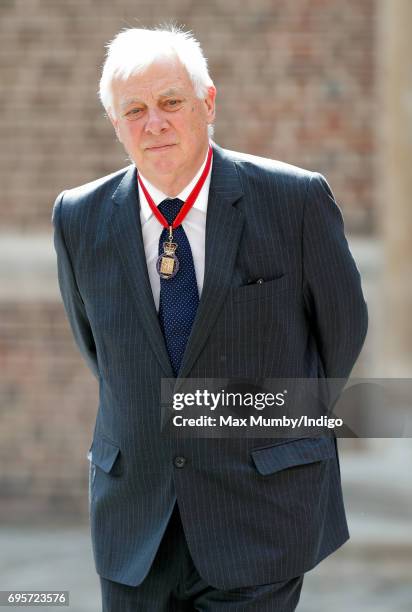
[{"x": 155, "y": 122}]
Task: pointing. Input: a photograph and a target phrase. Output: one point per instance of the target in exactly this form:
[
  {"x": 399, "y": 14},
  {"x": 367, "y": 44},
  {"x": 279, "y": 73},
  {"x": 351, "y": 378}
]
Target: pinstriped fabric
[
  {"x": 296, "y": 452},
  {"x": 174, "y": 585},
  {"x": 253, "y": 512}
]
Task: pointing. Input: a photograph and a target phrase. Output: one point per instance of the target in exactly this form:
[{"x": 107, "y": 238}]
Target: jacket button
[{"x": 179, "y": 462}]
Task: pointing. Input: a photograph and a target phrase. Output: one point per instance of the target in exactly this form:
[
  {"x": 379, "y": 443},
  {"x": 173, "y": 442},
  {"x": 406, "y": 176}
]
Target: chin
[{"x": 165, "y": 165}]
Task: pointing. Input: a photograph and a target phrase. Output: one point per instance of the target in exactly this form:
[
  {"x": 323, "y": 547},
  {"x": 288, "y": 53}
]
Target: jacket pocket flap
[
  {"x": 103, "y": 453},
  {"x": 288, "y": 454}
]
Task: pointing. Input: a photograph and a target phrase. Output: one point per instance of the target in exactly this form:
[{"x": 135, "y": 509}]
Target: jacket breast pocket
[
  {"x": 292, "y": 453},
  {"x": 259, "y": 290}
]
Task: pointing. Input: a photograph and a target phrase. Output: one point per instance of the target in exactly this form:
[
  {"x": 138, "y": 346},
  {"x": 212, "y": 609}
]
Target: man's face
[{"x": 162, "y": 124}]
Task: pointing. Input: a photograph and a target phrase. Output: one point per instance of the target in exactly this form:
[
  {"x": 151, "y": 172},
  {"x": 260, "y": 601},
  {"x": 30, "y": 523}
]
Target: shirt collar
[{"x": 158, "y": 196}]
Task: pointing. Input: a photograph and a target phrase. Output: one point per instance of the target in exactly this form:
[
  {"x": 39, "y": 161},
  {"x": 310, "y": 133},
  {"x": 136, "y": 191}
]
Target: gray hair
[{"x": 134, "y": 50}]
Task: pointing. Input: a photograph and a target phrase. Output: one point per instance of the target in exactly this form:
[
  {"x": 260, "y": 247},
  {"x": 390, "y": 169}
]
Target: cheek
[
  {"x": 130, "y": 134},
  {"x": 198, "y": 119},
  {"x": 197, "y": 129}
]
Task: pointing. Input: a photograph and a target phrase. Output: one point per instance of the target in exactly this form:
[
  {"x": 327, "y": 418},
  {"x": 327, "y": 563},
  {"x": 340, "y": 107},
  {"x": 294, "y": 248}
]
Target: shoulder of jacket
[
  {"x": 98, "y": 188},
  {"x": 252, "y": 164}
]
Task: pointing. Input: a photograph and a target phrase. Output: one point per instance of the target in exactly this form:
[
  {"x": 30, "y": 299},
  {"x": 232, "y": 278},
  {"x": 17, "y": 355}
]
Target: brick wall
[
  {"x": 48, "y": 403},
  {"x": 295, "y": 82}
]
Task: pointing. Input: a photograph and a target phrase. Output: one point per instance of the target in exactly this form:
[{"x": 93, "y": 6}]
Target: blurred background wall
[{"x": 322, "y": 84}]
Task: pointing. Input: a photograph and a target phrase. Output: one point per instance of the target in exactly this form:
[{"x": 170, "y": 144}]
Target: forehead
[{"x": 159, "y": 79}]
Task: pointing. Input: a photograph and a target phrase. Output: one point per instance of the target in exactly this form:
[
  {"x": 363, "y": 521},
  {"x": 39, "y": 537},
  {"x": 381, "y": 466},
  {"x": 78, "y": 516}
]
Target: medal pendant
[{"x": 167, "y": 264}]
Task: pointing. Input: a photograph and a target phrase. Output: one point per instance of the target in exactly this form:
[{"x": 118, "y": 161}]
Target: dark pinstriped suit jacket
[{"x": 254, "y": 511}]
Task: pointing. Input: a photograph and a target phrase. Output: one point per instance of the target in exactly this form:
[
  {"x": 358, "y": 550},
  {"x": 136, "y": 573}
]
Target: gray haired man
[{"x": 199, "y": 262}]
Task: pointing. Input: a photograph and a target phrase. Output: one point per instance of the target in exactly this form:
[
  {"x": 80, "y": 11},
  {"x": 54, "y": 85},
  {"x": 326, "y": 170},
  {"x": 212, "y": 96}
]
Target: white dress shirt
[{"x": 194, "y": 225}]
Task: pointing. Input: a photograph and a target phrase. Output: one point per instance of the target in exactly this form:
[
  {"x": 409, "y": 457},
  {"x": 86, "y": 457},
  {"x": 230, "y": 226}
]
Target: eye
[
  {"x": 133, "y": 113},
  {"x": 173, "y": 103}
]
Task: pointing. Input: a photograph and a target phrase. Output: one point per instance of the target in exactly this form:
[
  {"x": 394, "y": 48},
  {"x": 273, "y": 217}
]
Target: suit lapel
[
  {"x": 224, "y": 223},
  {"x": 127, "y": 233}
]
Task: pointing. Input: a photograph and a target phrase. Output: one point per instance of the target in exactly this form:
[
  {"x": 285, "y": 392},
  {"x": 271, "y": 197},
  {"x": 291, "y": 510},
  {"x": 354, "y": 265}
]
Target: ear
[
  {"x": 210, "y": 103},
  {"x": 114, "y": 122}
]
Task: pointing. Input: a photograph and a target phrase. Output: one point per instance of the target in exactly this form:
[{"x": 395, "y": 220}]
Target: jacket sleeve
[
  {"x": 72, "y": 300},
  {"x": 331, "y": 283}
]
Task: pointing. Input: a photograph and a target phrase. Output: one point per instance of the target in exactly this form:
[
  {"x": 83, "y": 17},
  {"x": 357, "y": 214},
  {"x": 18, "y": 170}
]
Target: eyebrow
[
  {"x": 165, "y": 94},
  {"x": 171, "y": 92},
  {"x": 130, "y": 101}
]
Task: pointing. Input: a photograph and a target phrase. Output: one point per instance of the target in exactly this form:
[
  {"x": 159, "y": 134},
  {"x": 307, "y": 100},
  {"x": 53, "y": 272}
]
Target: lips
[{"x": 160, "y": 147}]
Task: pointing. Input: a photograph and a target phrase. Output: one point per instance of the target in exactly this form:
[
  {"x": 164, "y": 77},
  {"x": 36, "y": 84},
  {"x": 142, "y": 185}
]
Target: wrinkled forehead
[{"x": 162, "y": 78}]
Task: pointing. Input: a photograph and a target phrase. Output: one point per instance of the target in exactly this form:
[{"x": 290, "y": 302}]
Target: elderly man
[{"x": 199, "y": 262}]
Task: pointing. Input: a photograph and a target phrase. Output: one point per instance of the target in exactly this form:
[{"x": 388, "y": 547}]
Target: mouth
[{"x": 160, "y": 147}]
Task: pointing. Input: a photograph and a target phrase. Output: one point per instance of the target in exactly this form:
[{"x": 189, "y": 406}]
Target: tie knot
[{"x": 170, "y": 208}]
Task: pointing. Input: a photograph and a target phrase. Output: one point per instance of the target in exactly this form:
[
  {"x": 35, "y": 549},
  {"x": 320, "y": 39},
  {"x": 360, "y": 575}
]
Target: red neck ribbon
[{"x": 190, "y": 200}]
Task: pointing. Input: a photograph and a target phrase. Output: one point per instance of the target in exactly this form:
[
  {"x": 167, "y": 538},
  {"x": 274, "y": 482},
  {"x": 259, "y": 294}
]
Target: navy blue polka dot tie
[{"x": 179, "y": 297}]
